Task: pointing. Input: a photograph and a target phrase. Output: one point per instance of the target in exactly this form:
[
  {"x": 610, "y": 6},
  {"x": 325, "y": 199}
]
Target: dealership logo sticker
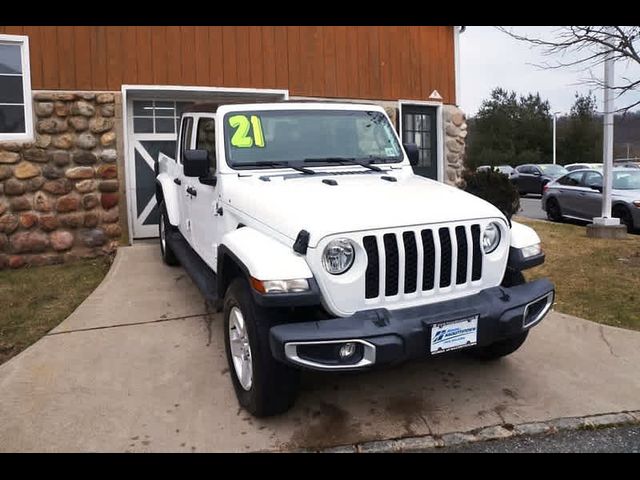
[{"x": 454, "y": 335}]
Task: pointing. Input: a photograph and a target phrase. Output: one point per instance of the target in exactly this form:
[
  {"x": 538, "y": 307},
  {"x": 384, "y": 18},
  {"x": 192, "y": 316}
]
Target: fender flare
[
  {"x": 259, "y": 256},
  {"x": 170, "y": 197}
]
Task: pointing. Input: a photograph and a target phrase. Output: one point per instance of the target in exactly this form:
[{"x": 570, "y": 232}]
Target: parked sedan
[
  {"x": 579, "y": 195},
  {"x": 581, "y": 166},
  {"x": 530, "y": 178}
]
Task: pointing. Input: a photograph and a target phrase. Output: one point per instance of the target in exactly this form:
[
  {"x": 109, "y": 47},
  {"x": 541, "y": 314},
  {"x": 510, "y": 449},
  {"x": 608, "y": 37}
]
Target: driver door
[
  {"x": 184, "y": 143},
  {"x": 204, "y": 212},
  {"x": 592, "y": 198}
]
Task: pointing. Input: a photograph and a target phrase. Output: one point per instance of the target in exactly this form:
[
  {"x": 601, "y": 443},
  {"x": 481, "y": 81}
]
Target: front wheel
[
  {"x": 263, "y": 385},
  {"x": 625, "y": 217}
]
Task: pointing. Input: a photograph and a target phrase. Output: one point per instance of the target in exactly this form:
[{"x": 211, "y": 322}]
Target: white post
[
  {"x": 554, "y": 138},
  {"x": 607, "y": 145}
]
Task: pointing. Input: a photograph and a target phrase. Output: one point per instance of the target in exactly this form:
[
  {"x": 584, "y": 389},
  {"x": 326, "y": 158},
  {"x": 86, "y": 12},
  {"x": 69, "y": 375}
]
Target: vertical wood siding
[{"x": 368, "y": 62}]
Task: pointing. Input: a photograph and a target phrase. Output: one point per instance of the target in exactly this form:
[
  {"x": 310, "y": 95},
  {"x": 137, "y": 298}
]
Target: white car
[
  {"x": 305, "y": 224},
  {"x": 581, "y": 166}
]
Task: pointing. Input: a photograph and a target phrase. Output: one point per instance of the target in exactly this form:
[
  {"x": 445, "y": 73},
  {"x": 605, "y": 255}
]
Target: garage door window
[
  {"x": 157, "y": 116},
  {"x": 15, "y": 89}
]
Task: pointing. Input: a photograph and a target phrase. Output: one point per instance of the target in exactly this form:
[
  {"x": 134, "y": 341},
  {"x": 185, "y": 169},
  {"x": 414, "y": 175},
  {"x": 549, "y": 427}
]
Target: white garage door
[{"x": 154, "y": 125}]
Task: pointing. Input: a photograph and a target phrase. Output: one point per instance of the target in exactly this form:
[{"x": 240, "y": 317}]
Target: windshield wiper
[
  {"x": 299, "y": 168},
  {"x": 344, "y": 161}
]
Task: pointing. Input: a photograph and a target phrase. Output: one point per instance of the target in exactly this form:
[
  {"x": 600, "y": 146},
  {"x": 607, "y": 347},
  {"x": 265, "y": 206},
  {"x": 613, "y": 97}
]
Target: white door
[
  {"x": 153, "y": 125},
  {"x": 203, "y": 207}
]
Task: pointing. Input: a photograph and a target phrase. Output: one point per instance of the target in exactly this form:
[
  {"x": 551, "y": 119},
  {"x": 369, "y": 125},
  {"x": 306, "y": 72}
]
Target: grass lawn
[
  {"x": 596, "y": 279},
  {"x": 35, "y": 300}
]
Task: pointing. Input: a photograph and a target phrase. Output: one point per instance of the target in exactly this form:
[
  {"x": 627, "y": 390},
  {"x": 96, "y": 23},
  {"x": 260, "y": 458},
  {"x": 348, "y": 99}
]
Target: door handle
[
  {"x": 192, "y": 191},
  {"x": 177, "y": 181}
]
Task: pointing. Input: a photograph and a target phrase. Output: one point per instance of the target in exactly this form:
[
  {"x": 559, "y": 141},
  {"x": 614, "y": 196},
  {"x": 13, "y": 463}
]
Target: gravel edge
[{"x": 493, "y": 432}]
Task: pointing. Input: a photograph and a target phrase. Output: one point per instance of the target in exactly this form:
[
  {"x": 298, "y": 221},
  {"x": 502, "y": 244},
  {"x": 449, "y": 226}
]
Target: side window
[
  {"x": 206, "y": 140},
  {"x": 592, "y": 179},
  {"x": 15, "y": 89},
  {"x": 571, "y": 180},
  {"x": 524, "y": 169},
  {"x": 185, "y": 136}
]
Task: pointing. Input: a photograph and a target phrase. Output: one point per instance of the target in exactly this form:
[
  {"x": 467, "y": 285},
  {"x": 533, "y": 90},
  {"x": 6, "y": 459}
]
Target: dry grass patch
[
  {"x": 35, "y": 300},
  {"x": 596, "y": 279}
]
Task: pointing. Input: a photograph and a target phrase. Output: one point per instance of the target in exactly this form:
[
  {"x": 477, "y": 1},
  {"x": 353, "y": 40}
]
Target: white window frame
[{"x": 27, "y": 136}]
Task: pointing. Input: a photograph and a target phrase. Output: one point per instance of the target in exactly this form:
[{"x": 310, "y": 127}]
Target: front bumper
[{"x": 393, "y": 336}]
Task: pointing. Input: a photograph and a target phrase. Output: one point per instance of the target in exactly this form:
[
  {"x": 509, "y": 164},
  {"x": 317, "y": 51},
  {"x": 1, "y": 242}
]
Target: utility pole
[
  {"x": 554, "y": 136},
  {"x": 605, "y": 226}
]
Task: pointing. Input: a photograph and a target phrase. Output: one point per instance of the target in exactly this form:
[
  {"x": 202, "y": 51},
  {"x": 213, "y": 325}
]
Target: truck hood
[{"x": 359, "y": 202}]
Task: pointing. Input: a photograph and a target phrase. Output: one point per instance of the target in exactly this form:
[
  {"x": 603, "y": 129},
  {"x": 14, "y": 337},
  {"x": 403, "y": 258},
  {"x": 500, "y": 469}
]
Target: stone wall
[
  {"x": 59, "y": 194},
  {"x": 455, "y": 133}
]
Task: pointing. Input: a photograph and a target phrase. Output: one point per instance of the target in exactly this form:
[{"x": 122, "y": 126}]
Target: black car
[{"x": 531, "y": 178}]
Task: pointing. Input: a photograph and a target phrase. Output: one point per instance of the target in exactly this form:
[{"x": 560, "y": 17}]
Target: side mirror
[
  {"x": 196, "y": 163},
  {"x": 536, "y": 173},
  {"x": 412, "y": 153},
  {"x": 596, "y": 187}
]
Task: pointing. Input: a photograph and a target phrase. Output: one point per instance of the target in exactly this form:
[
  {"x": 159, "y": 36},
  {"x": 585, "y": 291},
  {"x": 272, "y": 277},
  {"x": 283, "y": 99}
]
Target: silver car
[
  {"x": 578, "y": 195},
  {"x": 580, "y": 166}
]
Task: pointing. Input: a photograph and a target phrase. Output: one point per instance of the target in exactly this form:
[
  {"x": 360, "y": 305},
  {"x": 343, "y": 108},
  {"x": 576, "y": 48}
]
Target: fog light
[{"x": 347, "y": 350}]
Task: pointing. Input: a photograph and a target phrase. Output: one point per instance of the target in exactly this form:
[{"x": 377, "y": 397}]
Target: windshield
[
  {"x": 553, "y": 170},
  {"x": 262, "y": 138},
  {"x": 626, "y": 180}
]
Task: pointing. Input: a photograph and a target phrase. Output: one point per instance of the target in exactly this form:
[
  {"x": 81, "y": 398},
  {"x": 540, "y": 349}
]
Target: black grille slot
[
  {"x": 410, "y": 262},
  {"x": 445, "y": 257},
  {"x": 463, "y": 252},
  {"x": 372, "y": 274},
  {"x": 392, "y": 264},
  {"x": 476, "y": 266},
  {"x": 429, "y": 260}
]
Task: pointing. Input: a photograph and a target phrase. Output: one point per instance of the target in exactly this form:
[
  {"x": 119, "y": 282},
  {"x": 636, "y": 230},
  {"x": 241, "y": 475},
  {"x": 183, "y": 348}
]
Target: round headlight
[
  {"x": 491, "y": 237},
  {"x": 338, "y": 256}
]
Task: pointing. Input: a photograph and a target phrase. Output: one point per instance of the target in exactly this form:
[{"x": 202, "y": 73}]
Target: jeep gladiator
[{"x": 305, "y": 224}]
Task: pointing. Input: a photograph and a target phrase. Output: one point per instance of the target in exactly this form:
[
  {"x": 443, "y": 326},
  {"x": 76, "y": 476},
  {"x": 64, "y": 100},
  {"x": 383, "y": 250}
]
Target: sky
[{"x": 490, "y": 58}]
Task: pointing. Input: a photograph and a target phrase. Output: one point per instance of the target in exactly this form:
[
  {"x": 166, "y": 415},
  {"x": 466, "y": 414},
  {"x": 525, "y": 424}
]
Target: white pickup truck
[{"x": 305, "y": 224}]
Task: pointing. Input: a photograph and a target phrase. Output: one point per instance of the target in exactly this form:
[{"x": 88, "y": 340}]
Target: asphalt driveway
[{"x": 140, "y": 366}]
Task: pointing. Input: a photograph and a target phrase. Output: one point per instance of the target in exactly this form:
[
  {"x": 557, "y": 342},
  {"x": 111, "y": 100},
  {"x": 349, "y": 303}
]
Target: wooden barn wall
[{"x": 385, "y": 62}]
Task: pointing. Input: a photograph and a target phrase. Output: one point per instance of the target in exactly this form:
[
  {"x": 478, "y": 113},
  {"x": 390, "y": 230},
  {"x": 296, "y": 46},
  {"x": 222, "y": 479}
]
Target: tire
[
  {"x": 499, "y": 349},
  {"x": 163, "y": 228},
  {"x": 273, "y": 386},
  {"x": 624, "y": 215},
  {"x": 553, "y": 210}
]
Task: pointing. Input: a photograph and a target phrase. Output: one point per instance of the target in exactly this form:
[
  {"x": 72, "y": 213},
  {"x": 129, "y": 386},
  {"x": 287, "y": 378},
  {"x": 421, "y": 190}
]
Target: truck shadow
[{"x": 430, "y": 396}]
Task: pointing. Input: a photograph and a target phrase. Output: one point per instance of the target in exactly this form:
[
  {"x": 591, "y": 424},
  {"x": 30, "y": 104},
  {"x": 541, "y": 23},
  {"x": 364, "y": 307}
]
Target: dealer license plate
[{"x": 454, "y": 335}]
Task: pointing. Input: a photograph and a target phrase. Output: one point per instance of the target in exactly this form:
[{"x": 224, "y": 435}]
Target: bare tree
[{"x": 587, "y": 48}]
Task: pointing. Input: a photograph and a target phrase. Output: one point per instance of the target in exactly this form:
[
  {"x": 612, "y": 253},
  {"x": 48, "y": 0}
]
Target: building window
[{"x": 16, "y": 122}]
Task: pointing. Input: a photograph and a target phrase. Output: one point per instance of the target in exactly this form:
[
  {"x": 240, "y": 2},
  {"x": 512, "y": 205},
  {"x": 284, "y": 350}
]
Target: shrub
[{"x": 495, "y": 188}]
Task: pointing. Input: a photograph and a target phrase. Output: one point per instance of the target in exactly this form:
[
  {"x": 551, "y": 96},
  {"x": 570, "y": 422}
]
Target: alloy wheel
[{"x": 240, "y": 348}]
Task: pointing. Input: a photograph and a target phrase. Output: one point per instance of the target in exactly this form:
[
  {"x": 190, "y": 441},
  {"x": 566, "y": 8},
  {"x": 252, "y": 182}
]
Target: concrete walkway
[{"x": 140, "y": 366}]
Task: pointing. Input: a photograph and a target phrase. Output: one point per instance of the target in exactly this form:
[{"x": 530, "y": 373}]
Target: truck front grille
[{"x": 421, "y": 260}]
